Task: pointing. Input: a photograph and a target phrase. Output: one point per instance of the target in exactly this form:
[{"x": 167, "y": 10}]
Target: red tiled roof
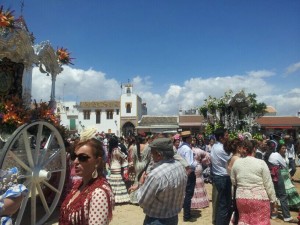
[{"x": 273, "y": 121}]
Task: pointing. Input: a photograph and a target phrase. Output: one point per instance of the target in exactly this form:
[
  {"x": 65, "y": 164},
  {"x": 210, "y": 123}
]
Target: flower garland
[
  {"x": 6, "y": 18},
  {"x": 64, "y": 56},
  {"x": 13, "y": 114}
]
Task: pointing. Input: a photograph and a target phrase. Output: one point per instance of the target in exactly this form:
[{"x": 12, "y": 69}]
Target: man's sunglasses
[{"x": 80, "y": 157}]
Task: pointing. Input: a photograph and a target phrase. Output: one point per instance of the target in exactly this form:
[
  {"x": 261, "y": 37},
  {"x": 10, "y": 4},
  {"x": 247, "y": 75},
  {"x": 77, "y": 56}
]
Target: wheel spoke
[
  {"x": 19, "y": 161},
  {"x": 51, "y": 187},
  {"x": 45, "y": 149},
  {"x": 53, "y": 156},
  {"x": 27, "y": 182},
  {"x": 50, "y": 138},
  {"x": 38, "y": 143},
  {"x": 57, "y": 171},
  {"x": 28, "y": 149},
  {"x": 43, "y": 199},
  {"x": 33, "y": 203}
]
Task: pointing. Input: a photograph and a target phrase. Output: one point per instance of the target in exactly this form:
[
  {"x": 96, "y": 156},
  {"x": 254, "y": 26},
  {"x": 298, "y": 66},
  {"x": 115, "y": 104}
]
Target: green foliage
[
  {"x": 257, "y": 136},
  {"x": 203, "y": 110},
  {"x": 238, "y": 107},
  {"x": 209, "y": 129}
]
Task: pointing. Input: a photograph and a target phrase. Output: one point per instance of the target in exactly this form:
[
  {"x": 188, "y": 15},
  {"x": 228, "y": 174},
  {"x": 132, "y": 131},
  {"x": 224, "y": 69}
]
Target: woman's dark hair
[
  {"x": 113, "y": 143},
  {"x": 230, "y": 146},
  {"x": 248, "y": 146},
  {"x": 272, "y": 144},
  {"x": 271, "y": 147},
  {"x": 138, "y": 141},
  {"x": 279, "y": 146},
  {"x": 254, "y": 144},
  {"x": 130, "y": 141}
]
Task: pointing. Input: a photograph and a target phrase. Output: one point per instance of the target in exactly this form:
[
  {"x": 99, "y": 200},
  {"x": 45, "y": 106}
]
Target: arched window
[{"x": 128, "y": 108}]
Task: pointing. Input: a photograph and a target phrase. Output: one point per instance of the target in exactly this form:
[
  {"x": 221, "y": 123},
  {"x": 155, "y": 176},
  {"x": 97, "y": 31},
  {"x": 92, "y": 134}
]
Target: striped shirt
[{"x": 162, "y": 194}]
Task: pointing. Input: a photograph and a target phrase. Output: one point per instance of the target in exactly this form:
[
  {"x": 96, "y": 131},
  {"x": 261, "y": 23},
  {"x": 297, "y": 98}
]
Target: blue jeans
[
  {"x": 159, "y": 221},
  {"x": 189, "y": 192},
  {"x": 224, "y": 209}
]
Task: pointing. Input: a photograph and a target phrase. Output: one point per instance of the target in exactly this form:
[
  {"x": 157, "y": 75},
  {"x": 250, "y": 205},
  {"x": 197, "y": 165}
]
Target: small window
[
  {"x": 67, "y": 108},
  {"x": 109, "y": 114},
  {"x": 128, "y": 108},
  {"x": 86, "y": 114},
  {"x": 117, "y": 111},
  {"x": 98, "y": 117}
]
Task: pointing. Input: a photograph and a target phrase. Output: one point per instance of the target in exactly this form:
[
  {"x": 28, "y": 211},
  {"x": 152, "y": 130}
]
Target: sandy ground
[{"x": 133, "y": 215}]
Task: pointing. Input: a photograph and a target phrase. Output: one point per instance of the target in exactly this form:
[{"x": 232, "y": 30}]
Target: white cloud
[
  {"x": 286, "y": 103},
  {"x": 79, "y": 85},
  {"x": 260, "y": 73},
  {"x": 293, "y": 68},
  {"x": 87, "y": 85}
]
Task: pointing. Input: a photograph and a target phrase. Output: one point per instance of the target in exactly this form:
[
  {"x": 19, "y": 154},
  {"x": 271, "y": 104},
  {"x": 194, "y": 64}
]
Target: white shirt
[
  {"x": 277, "y": 160},
  {"x": 290, "y": 151},
  {"x": 187, "y": 153}
]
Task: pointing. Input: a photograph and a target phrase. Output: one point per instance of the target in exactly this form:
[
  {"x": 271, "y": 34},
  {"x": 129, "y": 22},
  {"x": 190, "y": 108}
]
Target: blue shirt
[{"x": 219, "y": 160}]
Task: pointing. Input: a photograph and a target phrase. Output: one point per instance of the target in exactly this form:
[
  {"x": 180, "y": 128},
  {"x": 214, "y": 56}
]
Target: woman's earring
[{"x": 95, "y": 173}]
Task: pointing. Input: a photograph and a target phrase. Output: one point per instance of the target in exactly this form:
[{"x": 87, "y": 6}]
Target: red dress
[{"x": 93, "y": 206}]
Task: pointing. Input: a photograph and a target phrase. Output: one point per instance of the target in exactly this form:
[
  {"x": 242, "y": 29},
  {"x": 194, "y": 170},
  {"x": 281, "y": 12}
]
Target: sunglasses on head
[{"x": 81, "y": 157}]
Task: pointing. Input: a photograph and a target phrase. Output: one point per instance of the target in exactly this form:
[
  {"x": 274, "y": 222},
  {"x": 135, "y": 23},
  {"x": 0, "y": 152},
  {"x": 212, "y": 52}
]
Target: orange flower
[
  {"x": 64, "y": 56},
  {"x": 6, "y": 18}
]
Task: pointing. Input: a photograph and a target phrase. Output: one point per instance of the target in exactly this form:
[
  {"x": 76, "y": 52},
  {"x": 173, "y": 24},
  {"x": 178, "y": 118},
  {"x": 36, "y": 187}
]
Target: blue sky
[{"x": 176, "y": 53}]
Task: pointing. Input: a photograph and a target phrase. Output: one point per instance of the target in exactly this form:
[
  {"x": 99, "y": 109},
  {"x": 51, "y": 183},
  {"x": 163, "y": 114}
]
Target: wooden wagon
[{"x": 36, "y": 148}]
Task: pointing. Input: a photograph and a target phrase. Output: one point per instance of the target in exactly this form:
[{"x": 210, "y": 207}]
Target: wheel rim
[{"x": 42, "y": 169}]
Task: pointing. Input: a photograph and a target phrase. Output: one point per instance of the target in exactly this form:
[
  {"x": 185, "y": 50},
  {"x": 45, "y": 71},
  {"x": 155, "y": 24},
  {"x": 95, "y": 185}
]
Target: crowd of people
[{"x": 252, "y": 181}]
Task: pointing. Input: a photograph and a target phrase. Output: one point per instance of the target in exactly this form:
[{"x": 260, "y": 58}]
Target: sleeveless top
[{"x": 93, "y": 206}]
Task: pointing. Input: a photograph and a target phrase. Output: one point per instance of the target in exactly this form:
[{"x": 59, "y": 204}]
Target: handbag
[{"x": 274, "y": 170}]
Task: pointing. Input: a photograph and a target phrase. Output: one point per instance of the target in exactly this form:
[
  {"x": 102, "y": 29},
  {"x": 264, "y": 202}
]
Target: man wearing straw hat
[{"x": 186, "y": 152}]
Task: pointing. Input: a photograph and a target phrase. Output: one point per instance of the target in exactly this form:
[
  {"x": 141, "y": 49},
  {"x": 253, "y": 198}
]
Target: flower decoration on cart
[
  {"x": 6, "y": 18},
  {"x": 64, "y": 56},
  {"x": 13, "y": 114}
]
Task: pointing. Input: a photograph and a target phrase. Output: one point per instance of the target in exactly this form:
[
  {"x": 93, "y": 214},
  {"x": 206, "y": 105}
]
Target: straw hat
[{"x": 186, "y": 133}]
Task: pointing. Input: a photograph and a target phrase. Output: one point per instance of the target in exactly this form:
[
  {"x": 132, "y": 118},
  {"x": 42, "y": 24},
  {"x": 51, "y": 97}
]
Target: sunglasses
[{"x": 80, "y": 157}]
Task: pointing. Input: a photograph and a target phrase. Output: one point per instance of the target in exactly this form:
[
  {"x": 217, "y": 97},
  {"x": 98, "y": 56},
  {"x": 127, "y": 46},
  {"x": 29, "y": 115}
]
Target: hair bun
[{"x": 88, "y": 134}]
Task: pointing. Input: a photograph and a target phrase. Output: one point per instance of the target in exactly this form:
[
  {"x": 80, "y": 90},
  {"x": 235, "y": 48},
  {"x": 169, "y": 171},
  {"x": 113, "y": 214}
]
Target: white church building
[{"x": 119, "y": 117}]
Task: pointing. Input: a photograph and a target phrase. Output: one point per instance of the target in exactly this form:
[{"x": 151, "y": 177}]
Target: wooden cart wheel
[{"x": 37, "y": 150}]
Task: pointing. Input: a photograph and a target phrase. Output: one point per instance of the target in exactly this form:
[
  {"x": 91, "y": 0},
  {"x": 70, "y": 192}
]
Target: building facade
[{"x": 119, "y": 117}]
